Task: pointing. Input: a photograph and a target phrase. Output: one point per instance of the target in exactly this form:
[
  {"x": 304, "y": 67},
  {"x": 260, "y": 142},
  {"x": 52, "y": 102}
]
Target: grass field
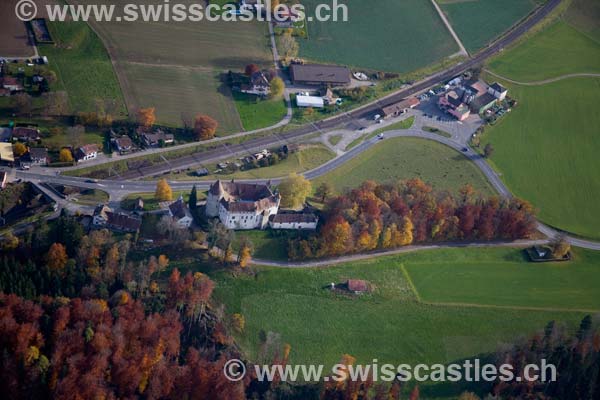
[
  {"x": 585, "y": 14},
  {"x": 557, "y": 50},
  {"x": 256, "y": 113},
  {"x": 547, "y": 148},
  {"x": 478, "y": 22},
  {"x": 391, "y": 324},
  {"x": 391, "y": 35},
  {"x": 175, "y": 66},
  {"x": 405, "y": 158},
  {"x": 83, "y": 68}
]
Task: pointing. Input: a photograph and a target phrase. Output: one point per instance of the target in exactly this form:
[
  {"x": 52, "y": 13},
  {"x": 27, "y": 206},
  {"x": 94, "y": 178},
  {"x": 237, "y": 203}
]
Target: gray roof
[{"x": 320, "y": 73}]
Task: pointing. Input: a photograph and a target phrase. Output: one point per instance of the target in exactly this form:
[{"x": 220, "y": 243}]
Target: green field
[
  {"x": 546, "y": 149},
  {"x": 258, "y": 113},
  {"x": 391, "y": 35},
  {"x": 585, "y": 14},
  {"x": 479, "y": 22},
  {"x": 557, "y": 50},
  {"x": 391, "y": 324},
  {"x": 175, "y": 66},
  {"x": 504, "y": 277},
  {"x": 83, "y": 68},
  {"x": 405, "y": 158}
]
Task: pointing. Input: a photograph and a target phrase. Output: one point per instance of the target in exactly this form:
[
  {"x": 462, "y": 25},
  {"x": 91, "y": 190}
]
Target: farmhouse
[
  {"x": 154, "y": 139},
  {"x": 498, "y": 91},
  {"x": 12, "y": 84},
  {"x": 242, "y": 205},
  {"x": 400, "y": 108},
  {"x": 37, "y": 156},
  {"x": 23, "y": 134},
  {"x": 317, "y": 74},
  {"x": 123, "y": 144},
  {"x": 87, "y": 152},
  {"x": 180, "y": 213},
  {"x": 294, "y": 221},
  {"x": 122, "y": 222},
  {"x": 258, "y": 85}
]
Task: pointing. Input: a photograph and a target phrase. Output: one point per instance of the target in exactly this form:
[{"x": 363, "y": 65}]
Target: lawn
[
  {"x": 390, "y": 324},
  {"x": 150, "y": 202},
  {"x": 479, "y": 22},
  {"x": 267, "y": 244},
  {"x": 258, "y": 113},
  {"x": 555, "y": 51},
  {"x": 546, "y": 149},
  {"x": 405, "y": 158},
  {"x": 585, "y": 14},
  {"x": 504, "y": 277},
  {"x": 395, "y": 36},
  {"x": 175, "y": 66},
  {"x": 83, "y": 68}
]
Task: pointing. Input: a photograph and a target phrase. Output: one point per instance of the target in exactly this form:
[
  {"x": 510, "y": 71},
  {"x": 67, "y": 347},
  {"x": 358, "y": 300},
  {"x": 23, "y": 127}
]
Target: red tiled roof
[{"x": 357, "y": 285}]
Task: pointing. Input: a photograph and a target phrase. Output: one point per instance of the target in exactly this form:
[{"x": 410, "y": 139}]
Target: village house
[
  {"x": 122, "y": 222},
  {"x": 307, "y": 221},
  {"x": 37, "y": 156},
  {"x": 399, "y": 108},
  {"x": 258, "y": 85},
  {"x": 100, "y": 217},
  {"x": 453, "y": 104},
  {"x": 242, "y": 205},
  {"x": 498, "y": 91},
  {"x": 180, "y": 213},
  {"x": 123, "y": 144},
  {"x": 87, "y": 152},
  {"x": 23, "y": 134},
  {"x": 12, "y": 84},
  {"x": 154, "y": 139},
  {"x": 317, "y": 74}
]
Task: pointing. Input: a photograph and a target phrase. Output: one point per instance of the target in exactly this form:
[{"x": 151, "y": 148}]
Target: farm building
[
  {"x": 123, "y": 144},
  {"x": 317, "y": 74},
  {"x": 498, "y": 91},
  {"x": 310, "y": 101},
  {"x": 400, "y": 108},
  {"x": 294, "y": 221},
  {"x": 23, "y": 134},
  {"x": 452, "y": 103},
  {"x": 154, "y": 139},
  {"x": 258, "y": 85},
  {"x": 482, "y": 103},
  {"x": 37, "y": 156},
  {"x": 122, "y": 222},
  {"x": 11, "y": 83}
]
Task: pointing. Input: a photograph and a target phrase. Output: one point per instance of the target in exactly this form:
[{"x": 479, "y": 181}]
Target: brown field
[{"x": 13, "y": 33}]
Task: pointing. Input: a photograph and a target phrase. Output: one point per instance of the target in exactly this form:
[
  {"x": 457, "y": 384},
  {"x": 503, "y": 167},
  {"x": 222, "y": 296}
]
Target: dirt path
[{"x": 545, "y": 81}]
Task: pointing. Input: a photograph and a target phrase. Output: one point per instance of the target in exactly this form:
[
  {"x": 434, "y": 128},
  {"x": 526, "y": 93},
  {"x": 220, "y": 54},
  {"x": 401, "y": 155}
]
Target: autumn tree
[
  {"x": 19, "y": 149},
  {"x": 245, "y": 253},
  {"x": 251, "y": 69},
  {"x": 277, "y": 87},
  {"x": 65, "y": 155},
  {"x": 238, "y": 322},
  {"x": 414, "y": 394},
  {"x": 288, "y": 45},
  {"x": 560, "y": 247},
  {"x": 468, "y": 396},
  {"x": 57, "y": 257},
  {"x": 324, "y": 190},
  {"x": 488, "y": 150},
  {"x": 163, "y": 191},
  {"x": 205, "y": 127},
  {"x": 294, "y": 190},
  {"x": 146, "y": 116}
]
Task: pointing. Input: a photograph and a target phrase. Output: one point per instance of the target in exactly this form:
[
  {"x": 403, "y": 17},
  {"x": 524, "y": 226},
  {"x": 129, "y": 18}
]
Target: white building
[
  {"x": 180, "y": 212},
  {"x": 310, "y": 101},
  {"x": 294, "y": 221},
  {"x": 242, "y": 205},
  {"x": 100, "y": 216},
  {"x": 87, "y": 152},
  {"x": 498, "y": 91}
]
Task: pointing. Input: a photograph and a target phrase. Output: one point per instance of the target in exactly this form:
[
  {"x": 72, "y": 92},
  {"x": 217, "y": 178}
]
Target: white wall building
[
  {"x": 180, "y": 212},
  {"x": 294, "y": 221},
  {"x": 310, "y": 101},
  {"x": 498, "y": 91}
]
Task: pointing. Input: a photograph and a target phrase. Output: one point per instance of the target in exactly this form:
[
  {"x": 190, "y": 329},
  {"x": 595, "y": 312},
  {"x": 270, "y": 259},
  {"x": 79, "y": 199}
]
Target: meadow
[
  {"x": 405, "y": 158},
  {"x": 175, "y": 66},
  {"x": 257, "y": 113},
  {"x": 321, "y": 325},
  {"x": 546, "y": 149},
  {"x": 394, "y": 36},
  {"x": 479, "y": 22}
]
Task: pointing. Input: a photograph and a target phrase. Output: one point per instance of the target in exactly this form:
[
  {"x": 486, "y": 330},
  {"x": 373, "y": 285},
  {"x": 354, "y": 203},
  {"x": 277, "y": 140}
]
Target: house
[
  {"x": 317, "y": 74},
  {"x": 452, "y": 103},
  {"x": 154, "y": 139},
  {"x": 483, "y": 103},
  {"x": 37, "y": 156},
  {"x": 23, "y": 134},
  {"x": 310, "y": 101},
  {"x": 242, "y": 205},
  {"x": 123, "y": 144},
  {"x": 100, "y": 216},
  {"x": 11, "y": 83},
  {"x": 122, "y": 222},
  {"x": 306, "y": 221},
  {"x": 498, "y": 91},
  {"x": 180, "y": 212},
  {"x": 399, "y": 108},
  {"x": 357, "y": 286},
  {"x": 6, "y": 153},
  {"x": 258, "y": 85},
  {"x": 87, "y": 152}
]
